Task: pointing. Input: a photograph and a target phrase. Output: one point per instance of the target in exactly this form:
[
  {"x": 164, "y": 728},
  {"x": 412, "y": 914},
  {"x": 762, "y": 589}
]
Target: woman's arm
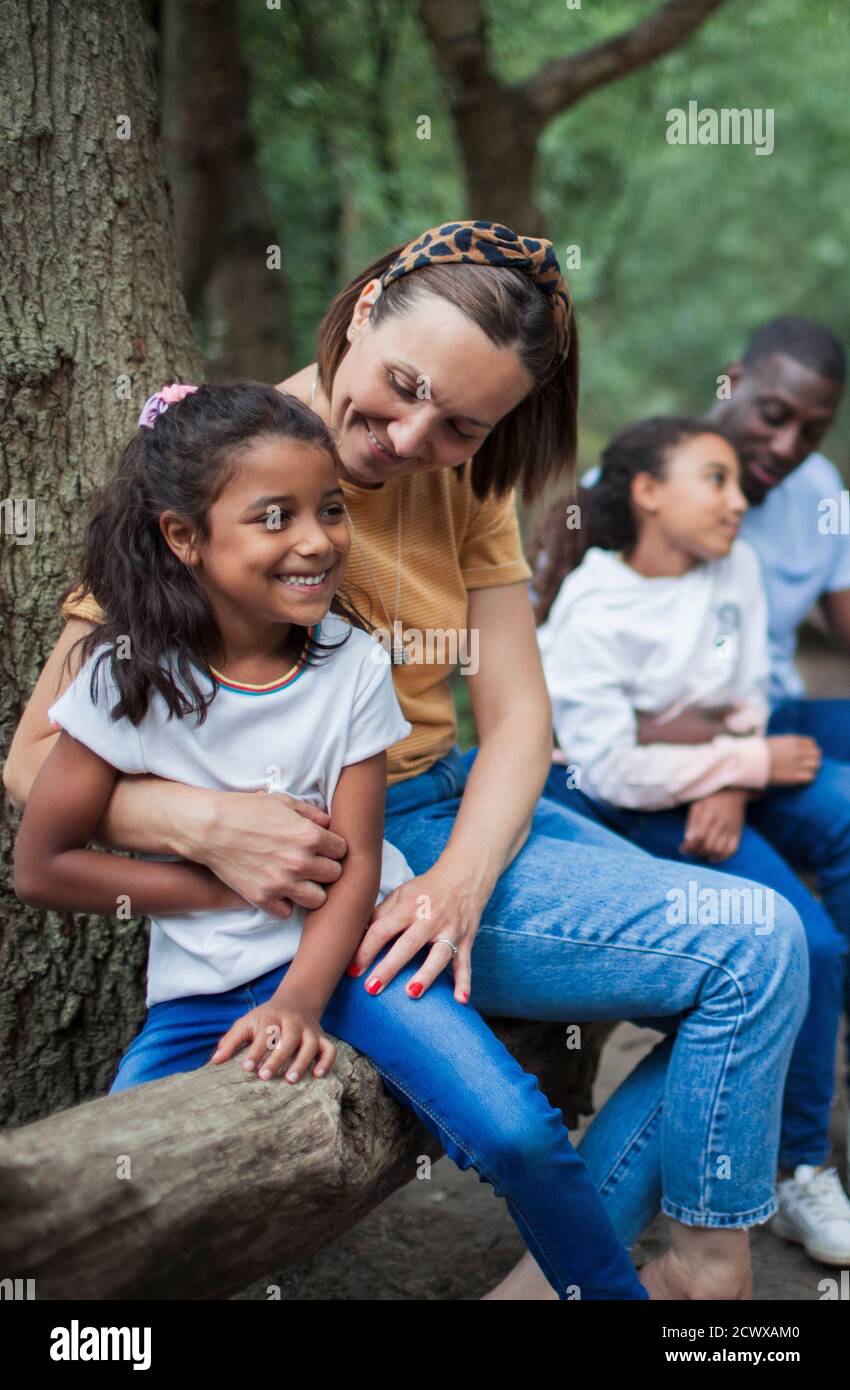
[
  {"x": 271, "y": 850},
  {"x": 54, "y": 869},
  {"x": 514, "y": 722}
]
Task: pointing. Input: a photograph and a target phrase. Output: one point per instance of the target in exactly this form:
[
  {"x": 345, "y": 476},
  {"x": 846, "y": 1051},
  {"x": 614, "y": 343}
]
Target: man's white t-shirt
[
  {"x": 293, "y": 736},
  {"x": 803, "y": 553}
]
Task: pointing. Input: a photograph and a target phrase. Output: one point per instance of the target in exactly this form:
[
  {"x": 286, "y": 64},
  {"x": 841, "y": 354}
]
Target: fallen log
[{"x": 194, "y": 1186}]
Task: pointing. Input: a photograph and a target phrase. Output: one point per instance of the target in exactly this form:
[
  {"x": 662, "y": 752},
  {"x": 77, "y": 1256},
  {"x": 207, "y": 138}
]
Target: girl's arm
[
  {"x": 54, "y": 869},
  {"x": 268, "y": 849},
  {"x": 333, "y": 932},
  {"x": 288, "y": 1026}
]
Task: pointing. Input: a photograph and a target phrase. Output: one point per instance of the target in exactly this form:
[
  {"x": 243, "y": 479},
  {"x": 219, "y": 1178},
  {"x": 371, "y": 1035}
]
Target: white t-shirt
[
  {"x": 616, "y": 642},
  {"x": 294, "y": 735},
  {"x": 803, "y": 555}
]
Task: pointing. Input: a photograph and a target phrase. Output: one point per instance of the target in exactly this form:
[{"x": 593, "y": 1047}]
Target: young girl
[
  {"x": 656, "y": 659},
  {"x": 228, "y": 659}
]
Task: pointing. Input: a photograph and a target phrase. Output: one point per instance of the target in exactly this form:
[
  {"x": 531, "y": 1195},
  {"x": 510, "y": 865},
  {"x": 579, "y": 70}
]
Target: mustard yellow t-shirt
[{"x": 450, "y": 543}]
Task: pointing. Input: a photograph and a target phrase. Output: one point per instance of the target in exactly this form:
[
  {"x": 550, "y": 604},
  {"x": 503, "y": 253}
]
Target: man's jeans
[
  {"x": 578, "y": 928},
  {"x": 807, "y": 828}
]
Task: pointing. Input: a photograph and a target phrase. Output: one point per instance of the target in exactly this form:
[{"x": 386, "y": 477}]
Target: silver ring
[{"x": 448, "y": 943}]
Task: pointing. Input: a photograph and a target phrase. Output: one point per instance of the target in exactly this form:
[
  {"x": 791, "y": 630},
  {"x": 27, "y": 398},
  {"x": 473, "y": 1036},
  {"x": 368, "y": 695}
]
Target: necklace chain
[{"x": 398, "y": 656}]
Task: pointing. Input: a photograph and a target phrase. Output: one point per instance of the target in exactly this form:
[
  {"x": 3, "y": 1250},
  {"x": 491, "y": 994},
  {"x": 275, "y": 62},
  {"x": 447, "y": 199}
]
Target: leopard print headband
[{"x": 489, "y": 243}]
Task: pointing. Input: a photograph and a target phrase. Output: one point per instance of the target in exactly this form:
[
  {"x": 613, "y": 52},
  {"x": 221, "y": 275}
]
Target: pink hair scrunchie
[{"x": 162, "y": 399}]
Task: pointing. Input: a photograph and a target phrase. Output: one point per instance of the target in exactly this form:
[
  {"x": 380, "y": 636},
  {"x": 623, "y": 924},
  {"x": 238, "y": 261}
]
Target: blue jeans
[
  {"x": 828, "y": 722},
  {"x": 576, "y": 929},
  {"x": 439, "y": 1058},
  {"x": 809, "y": 828}
]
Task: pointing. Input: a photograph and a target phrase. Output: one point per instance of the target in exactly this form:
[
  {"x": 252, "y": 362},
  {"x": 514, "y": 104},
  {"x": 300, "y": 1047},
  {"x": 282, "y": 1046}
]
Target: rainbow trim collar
[{"x": 271, "y": 687}]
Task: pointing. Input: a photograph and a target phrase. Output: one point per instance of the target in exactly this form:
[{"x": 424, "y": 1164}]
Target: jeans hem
[
  {"x": 756, "y": 1217},
  {"x": 788, "y": 1163}
]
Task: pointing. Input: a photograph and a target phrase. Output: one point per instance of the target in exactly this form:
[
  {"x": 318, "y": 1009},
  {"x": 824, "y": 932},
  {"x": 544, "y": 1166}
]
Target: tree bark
[
  {"x": 90, "y": 297},
  {"x": 498, "y": 124},
  {"x": 120, "y": 1199},
  {"x": 223, "y": 222}
]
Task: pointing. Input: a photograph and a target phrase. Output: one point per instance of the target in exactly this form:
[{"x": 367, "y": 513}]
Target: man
[{"x": 784, "y": 394}]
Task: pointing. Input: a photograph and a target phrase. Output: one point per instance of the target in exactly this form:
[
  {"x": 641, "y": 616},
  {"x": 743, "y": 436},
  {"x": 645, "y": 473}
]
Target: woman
[{"x": 448, "y": 370}]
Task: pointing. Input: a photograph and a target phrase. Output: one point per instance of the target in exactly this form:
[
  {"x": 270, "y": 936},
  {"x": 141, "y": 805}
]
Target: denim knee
[
  {"x": 784, "y": 962},
  {"x": 767, "y": 967}
]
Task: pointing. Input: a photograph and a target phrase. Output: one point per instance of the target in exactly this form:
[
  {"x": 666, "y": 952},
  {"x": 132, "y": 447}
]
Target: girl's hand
[
  {"x": 714, "y": 825},
  {"x": 433, "y": 905},
  {"x": 271, "y": 849},
  {"x": 278, "y": 1031},
  {"x": 794, "y": 760}
]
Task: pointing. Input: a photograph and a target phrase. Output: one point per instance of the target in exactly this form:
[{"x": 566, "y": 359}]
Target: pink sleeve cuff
[
  {"x": 753, "y": 757},
  {"x": 746, "y": 763}
]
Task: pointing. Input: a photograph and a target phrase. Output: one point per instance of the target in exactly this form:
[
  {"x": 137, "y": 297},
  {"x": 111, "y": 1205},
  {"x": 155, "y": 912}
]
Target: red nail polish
[
  {"x": 352, "y": 970},
  {"x": 373, "y": 987},
  {"x": 415, "y": 989},
  {"x": 464, "y": 996}
]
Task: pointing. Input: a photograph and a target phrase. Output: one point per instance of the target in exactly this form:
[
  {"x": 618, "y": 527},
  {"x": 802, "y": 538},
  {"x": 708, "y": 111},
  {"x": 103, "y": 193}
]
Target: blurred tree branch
[{"x": 499, "y": 124}]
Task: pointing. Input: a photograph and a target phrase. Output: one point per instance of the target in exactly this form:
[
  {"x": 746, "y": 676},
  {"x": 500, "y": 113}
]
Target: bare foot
[
  {"x": 669, "y": 1277},
  {"x": 525, "y": 1282}
]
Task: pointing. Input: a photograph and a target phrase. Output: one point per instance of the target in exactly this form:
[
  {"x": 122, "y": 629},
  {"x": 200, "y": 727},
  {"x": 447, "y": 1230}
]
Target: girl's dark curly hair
[
  {"x": 606, "y": 514},
  {"x": 151, "y": 602}
]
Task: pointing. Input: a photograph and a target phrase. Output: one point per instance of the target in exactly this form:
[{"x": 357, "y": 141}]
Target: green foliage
[{"x": 684, "y": 248}]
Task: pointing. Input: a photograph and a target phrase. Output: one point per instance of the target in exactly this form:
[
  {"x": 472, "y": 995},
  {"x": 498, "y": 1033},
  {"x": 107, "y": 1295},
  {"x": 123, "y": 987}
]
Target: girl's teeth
[{"x": 304, "y": 579}]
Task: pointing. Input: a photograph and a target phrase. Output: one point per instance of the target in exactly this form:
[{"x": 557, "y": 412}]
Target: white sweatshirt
[{"x": 615, "y": 643}]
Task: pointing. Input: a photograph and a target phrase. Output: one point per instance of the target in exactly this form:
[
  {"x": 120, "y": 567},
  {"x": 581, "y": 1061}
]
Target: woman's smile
[{"x": 380, "y": 450}]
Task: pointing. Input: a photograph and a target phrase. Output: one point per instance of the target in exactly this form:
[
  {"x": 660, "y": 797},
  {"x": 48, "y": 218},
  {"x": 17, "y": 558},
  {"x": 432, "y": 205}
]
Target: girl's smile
[{"x": 276, "y": 547}]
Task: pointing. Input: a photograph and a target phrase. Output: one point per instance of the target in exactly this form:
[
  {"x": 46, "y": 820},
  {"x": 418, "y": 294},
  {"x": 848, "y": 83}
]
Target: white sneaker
[{"x": 814, "y": 1211}]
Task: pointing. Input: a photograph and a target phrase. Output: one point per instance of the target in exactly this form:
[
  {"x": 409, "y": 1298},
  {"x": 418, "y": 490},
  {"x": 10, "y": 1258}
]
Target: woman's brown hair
[{"x": 536, "y": 442}]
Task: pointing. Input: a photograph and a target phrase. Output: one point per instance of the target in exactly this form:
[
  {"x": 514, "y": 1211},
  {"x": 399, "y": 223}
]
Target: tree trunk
[
  {"x": 114, "y": 1199},
  {"x": 90, "y": 309},
  {"x": 233, "y": 286},
  {"x": 495, "y": 126}
]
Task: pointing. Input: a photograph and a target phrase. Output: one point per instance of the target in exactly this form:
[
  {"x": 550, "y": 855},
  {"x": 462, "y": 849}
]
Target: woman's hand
[
  {"x": 283, "y": 1028},
  {"x": 714, "y": 825},
  {"x": 435, "y": 904},
  {"x": 271, "y": 849}
]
